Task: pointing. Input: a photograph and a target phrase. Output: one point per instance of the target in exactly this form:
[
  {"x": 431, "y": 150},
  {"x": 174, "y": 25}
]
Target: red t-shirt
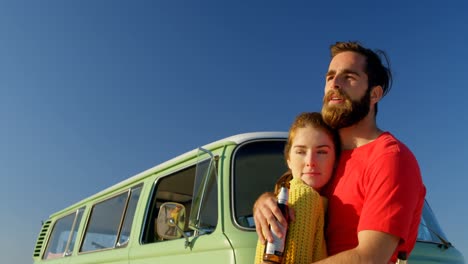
[{"x": 378, "y": 187}]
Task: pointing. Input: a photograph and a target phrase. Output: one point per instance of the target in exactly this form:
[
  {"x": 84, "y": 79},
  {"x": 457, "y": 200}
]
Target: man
[{"x": 377, "y": 194}]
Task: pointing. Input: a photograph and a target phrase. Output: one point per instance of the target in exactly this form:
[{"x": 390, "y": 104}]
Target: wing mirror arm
[{"x": 173, "y": 223}]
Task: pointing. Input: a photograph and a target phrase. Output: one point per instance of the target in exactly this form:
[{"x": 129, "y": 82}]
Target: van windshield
[{"x": 429, "y": 228}]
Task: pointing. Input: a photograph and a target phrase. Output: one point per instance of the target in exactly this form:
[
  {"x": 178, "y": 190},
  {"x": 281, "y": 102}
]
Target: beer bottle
[{"x": 274, "y": 251}]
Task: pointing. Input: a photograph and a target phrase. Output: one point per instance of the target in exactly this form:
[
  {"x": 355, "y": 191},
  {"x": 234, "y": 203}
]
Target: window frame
[
  {"x": 152, "y": 209},
  {"x": 73, "y": 232},
  {"x": 247, "y": 223},
  {"x": 147, "y": 235},
  {"x": 130, "y": 192}
]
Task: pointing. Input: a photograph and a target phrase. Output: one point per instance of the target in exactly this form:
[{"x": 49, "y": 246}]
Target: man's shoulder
[
  {"x": 388, "y": 145},
  {"x": 388, "y": 141}
]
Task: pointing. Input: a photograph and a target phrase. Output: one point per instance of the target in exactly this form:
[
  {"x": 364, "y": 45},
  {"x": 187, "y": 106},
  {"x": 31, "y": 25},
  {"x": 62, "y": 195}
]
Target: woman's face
[{"x": 312, "y": 156}]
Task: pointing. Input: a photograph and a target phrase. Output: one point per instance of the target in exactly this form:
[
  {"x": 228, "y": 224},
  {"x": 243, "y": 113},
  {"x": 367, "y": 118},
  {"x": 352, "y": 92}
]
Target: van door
[{"x": 195, "y": 187}]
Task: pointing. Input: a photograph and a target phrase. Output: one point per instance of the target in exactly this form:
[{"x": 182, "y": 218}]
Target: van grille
[{"x": 41, "y": 239}]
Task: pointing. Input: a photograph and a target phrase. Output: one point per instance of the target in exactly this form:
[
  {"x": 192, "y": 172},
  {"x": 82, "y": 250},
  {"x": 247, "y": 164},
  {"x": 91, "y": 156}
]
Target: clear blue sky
[{"x": 92, "y": 92}]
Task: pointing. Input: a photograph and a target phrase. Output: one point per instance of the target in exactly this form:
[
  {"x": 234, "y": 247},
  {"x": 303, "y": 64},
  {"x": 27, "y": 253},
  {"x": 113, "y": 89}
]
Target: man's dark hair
[{"x": 377, "y": 73}]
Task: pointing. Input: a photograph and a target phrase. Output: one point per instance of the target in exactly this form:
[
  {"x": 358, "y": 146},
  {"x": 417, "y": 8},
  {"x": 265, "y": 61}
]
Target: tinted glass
[
  {"x": 178, "y": 188},
  {"x": 429, "y": 229},
  {"x": 206, "y": 190},
  {"x": 129, "y": 215},
  {"x": 104, "y": 224},
  {"x": 257, "y": 166},
  {"x": 62, "y": 233},
  {"x": 76, "y": 225}
]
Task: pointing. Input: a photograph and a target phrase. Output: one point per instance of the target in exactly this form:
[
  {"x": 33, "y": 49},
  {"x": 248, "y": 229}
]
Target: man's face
[{"x": 347, "y": 97}]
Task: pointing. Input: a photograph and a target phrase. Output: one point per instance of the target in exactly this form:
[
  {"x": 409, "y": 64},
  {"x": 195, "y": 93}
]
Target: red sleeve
[{"x": 392, "y": 187}]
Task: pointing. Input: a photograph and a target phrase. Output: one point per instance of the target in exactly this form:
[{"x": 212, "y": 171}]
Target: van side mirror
[{"x": 171, "y": 220}]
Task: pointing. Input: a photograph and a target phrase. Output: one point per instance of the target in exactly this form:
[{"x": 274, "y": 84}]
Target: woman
[{"x": 310, "y": 153}]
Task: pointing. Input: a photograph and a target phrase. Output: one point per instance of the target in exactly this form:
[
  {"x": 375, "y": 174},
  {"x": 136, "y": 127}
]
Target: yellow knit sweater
[{"x": 305, "y": 241}]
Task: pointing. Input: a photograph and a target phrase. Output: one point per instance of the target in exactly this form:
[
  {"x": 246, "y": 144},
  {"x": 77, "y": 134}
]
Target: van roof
[
  {"x": 240, "y": 138},
  {"x": 235, "y": 139}
]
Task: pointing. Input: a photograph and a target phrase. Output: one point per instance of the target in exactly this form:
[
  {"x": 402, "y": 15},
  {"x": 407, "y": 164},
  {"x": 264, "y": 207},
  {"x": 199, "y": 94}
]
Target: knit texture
[{"x": 305, "y": 241}]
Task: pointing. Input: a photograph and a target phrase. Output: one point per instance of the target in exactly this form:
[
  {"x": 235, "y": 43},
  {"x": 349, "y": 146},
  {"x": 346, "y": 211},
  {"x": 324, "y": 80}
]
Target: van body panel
[
  {"x": 214, "y": 248},
  {"x": 244, "y": 244},
  {"x": 108, "y": 256},
  {"x": 428, "y": 253}
]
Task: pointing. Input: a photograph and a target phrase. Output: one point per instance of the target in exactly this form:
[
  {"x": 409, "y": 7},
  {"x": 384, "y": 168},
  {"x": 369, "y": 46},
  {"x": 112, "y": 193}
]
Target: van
[{"x": 195, "y": 208}]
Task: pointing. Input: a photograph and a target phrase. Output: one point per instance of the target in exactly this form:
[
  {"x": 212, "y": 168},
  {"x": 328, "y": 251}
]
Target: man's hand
[{"x": 266, "y": 214}]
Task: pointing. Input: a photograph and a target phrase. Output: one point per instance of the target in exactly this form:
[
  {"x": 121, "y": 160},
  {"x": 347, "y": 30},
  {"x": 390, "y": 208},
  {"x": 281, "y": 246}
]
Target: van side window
[
  {"x": 128, "y": 217},
  {"x": 63, "y": 236},
  {"x": 110, "y": 222},
  {"x": 257, "y": 166},
  {"x": 178, "y": 187},
  {"x": 208, "y": 216}
]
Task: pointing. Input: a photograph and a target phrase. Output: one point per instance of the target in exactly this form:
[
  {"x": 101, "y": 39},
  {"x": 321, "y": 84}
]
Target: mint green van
[{"x": 195, "y": 208}]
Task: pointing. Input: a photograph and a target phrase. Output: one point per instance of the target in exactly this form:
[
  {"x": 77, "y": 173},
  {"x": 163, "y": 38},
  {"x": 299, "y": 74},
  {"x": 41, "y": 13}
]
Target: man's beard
[{"x": 348, "y": 114}]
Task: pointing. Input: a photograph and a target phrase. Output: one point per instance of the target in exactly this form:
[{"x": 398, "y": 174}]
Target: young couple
[{"x": 372, "y": 180}]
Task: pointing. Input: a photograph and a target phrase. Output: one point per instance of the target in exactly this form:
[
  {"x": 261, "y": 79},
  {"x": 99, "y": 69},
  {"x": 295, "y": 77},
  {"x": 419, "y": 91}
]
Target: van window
[
  {"x": 206, "y": 219},
  {"x": 257, "y": 166},
  {"x": 63, "y": 236},
  {"x": 128, "y": 218},
  {"x": 110, "y": 222},
  {"x": 429, "y": 228},
  {"x": 178, "y": 187}
]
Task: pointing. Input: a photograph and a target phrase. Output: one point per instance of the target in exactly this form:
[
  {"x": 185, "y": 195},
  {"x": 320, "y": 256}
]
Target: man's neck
[{"x": 357, "y": 135}]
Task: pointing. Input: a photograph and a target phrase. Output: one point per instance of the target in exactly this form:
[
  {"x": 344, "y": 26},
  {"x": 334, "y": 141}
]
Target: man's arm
[
  {"x": 266, "y": 212},
  {"x": 374, "y": 247}
]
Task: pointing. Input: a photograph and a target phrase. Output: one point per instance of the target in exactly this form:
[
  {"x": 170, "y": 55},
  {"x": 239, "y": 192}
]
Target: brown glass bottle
[
  {"x": 274, "y": 251},
  {"x": 402, "y": 258}
]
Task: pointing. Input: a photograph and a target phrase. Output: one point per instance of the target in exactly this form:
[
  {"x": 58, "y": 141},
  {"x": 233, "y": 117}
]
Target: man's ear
[{"x": 376, "y": 94}]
